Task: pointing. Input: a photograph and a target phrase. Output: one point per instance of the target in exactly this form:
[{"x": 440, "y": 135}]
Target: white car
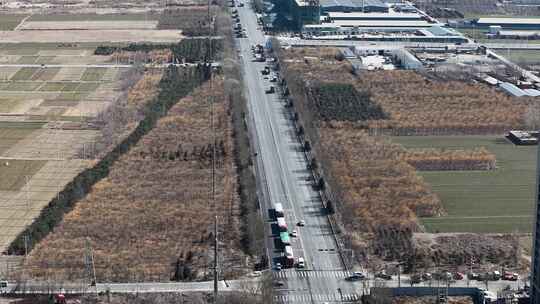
[
  {"x": 294, "y": 233},
  {"x": 301, "y": 263}
]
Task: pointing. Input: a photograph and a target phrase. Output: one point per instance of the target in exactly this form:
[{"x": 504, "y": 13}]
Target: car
[
  {"x": 278, "y": 266},
  {"x": 279, "y": 283},
  {"x": 458, "y": 276},
  {"x": 301, "y": 263},
  {"x": 241, "y": 4},
  {"x": 426, "y": 276},
  {"x": 255, "y": 274},
  {"x": 273, "y": 79},
  {"x": 510, "y": 276},
  {"x": 355, "y": 277},
  {"x": 301, "y": 223},
  {"x": 294, "y": 233},
  {"x": 270, "y": 90},
  {"x": 474, "y": 276},
  {"x": 416, "y": 278},
  {"x": 383, "y": 275}
]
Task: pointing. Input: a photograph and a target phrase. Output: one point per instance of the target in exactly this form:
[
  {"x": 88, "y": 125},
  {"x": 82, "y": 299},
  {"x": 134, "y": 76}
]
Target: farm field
[
  {"x": 93, "y": 17},
  {"x": 500, "y": 200},
  {"x": 93, "y": 36},
  {"x": 9, "y": 22},
  {"x": 90, "y": 25},
  {"x": 41, "y": 135}
]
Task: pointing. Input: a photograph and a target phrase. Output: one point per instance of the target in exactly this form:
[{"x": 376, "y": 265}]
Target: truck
[
  {"x": 288, "y": 258},
  {"x": 282, "y": 224},
  {"x": 279, "y": 210},
  {"x": 284, "y": 237}
]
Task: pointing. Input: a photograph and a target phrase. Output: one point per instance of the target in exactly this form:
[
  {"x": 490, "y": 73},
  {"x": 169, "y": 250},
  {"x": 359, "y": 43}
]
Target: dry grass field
[
  {"x": 141, "y": 235},
  {"x": 94, "y": 36}
]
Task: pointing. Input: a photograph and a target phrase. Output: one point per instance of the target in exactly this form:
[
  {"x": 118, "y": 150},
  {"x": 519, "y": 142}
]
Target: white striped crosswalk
[
  {"x": 291, "y": 273},
  {"x": 317, "y": 298}
]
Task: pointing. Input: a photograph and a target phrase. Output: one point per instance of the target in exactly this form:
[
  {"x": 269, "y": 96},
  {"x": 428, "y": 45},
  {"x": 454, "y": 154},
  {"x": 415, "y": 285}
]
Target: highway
[{"x": 283, "y": 169}]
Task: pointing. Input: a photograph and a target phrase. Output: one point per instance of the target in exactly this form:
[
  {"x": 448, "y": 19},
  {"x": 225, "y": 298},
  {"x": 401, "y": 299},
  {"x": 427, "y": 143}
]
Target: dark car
[
  {"x": 279, "y": 283},
  {"x": 383, "y": 275},
  {"x": 416, "y": 279},
  {"x": 355, "y": 277}
]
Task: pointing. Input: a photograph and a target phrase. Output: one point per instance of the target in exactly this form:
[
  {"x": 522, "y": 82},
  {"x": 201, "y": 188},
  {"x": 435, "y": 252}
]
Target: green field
[
  {"x": 23, "y": 86},
  {"x": 10, "y": 22},
  {"x": 482, "y": 201},
  {"x": 52, "y": 87},
  {"x": 13, "y": 173},
  {"x": 24, "y": 74},
  {"x": 521, "y": 56},
  {"x": 13, "y": 132}
]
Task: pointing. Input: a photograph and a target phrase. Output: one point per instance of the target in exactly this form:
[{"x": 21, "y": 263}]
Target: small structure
[
  {"x": 523, "y": 137},
  {"x": 509, "y": 23},
  {"x": 513, "y": 90}
]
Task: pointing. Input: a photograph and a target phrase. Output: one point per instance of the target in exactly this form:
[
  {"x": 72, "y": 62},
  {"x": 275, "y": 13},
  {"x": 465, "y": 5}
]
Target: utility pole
[{"x": 216, "y": 259}]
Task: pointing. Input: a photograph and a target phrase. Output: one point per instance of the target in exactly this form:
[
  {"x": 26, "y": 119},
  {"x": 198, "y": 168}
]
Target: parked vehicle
[
  {"x": 458, "y": 276},
  {"x": 294, "y": 233},
  {"x": 474, "y": 276},
  {"x": 278, "y": 266},
  {"x": 3, "y": 286},
  {"x": 301, "y": 263},
  {"x": 383, "y": 275},
  {"x": 278, "y": 210},
  {"x": 279, "y": 283},
  {"x": 426, "y": 276},
  {"x": 270, "y": 90},
  {"x": 288, "y": 258},
  {"x": 355, "y": 277},
  {"x": 301, "y": 223},
  {"x": 266, "y": 71},
  {"x": 282, "y": 224},
  {"x": 416, "y": 278},
  {"x": 510, "y": 276}
]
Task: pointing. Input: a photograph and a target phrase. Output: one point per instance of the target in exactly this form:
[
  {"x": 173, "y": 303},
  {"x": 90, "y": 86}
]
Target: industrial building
[
  {"x": 305, "y": 12},
  {"x": 509, "y": 23},
  {"x": 385, "y": 31},
  {"x": 372, "y": 16},
  {"x": 367, "y": 6}
]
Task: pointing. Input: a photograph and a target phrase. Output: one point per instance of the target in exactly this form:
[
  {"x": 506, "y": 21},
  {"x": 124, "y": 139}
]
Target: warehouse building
[
  {"x": 366, "y": 6},
  {"x": 509, "y": 23},
  {"x": 330, "y": 16}
]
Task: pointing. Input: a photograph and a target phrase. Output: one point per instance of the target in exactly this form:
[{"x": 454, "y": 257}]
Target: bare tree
[{"x": 532, "y": 116}]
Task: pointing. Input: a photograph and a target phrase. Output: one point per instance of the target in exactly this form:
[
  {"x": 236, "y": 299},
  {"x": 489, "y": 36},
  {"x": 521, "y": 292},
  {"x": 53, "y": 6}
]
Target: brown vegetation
[
  {"x": 436, "y": 159},
  {"x": 152, "y": 217},
  {"x": 420, "y": 106},
  {"x": 415, "y": 104},
  {"x": 155, "y": 56},
  {"x": 378, "y": 189}
]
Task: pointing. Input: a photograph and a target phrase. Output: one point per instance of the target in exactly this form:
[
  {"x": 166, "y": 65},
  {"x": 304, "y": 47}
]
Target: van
[{"x": 301, "y": 263}]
